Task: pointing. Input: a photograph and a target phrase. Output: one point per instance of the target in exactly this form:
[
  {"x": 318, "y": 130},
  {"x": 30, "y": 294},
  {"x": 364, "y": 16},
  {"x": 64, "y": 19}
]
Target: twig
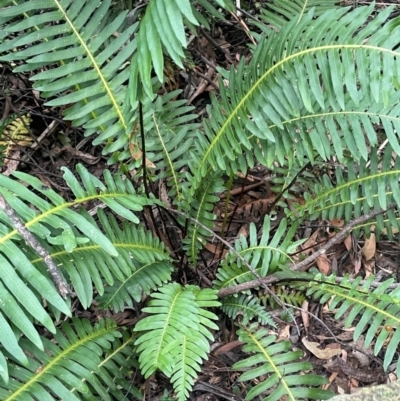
[
  {"x": 55, "y": 274},
  {"x": 298, "y": 266},
  {"x": 260, "y": 280}
]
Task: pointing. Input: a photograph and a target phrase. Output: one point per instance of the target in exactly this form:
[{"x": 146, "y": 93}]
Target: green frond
[
  {"x": 357, "y": 189},
  {"x": 200, "y": 205},
  {"x": 167, "y": 123},
  {"x": 277, "y": 13},
  {"x": 281, "y": 367},
  {"x": 162, "y": 30},
  {"x": 248, "y": 307},
  {"x": 176, "y": 334},
  {"x": 90, "y": 49},
  {"x": 304, "y": 92},
  {"x": 25, "y": 279},
  {"x": 265, "y": 255},
  {"x": 141, "y": 265},
  {"x": 143, "y": 279},
  {"x": 79, "y": 364},
  {"x": 376, "y": 310},
  {"x": 284, "y": 294}
]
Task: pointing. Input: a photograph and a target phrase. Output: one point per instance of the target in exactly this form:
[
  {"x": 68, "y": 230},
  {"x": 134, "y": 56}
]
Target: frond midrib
[
  {"x": 272, "y": 364},
  {"x": 62, "y": 355},
  {"x": 111, "y": 355},
  {"x": 264, "y": 76},
  {"x": 336, "y": 190},
  {"x": 95, "y": 66},
  {"x": 355, "y": 300},
  {"x": 93, "y": 247}
]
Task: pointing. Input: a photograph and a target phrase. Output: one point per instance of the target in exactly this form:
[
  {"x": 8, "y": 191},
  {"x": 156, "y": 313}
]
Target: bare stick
[
  {"x": 260, "y": 280},
  {"x": 56, "y": 276}
]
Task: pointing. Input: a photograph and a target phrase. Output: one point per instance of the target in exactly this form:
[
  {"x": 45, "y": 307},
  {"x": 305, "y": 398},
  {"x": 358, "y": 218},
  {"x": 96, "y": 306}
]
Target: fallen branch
[{"x": 55, "y": 274}]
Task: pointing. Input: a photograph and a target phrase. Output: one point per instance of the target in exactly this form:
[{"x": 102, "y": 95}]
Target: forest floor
[{"x": 52, "y": 143}]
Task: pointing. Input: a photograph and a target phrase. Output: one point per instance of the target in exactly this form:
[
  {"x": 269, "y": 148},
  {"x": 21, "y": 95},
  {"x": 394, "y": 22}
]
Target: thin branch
[
  {"x": 55, "y": 274},
  {"x": 260, "y": 280},
  {"x": 303, "y": 264}
]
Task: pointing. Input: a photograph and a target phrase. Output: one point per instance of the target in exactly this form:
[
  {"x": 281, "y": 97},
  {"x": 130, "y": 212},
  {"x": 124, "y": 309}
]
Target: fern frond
[
  {"x": 176, "y": 334},
  {"x": 54, "y": 220},
  {"x": 275, "y": 360},
  {"x": 291, "y": 297},
  {"x": 142, "y": 264},
  {"x": 200, "y": 205},
  {"x": 265, "y": 255},
  {"x": 77, "y": 364},
  {"x": 357, "y": 189},
  {"x": 302, "y": 93},
  {"x": 90, "y": 48},
  {"x": 374, "y": 308},
  {"x": 144, "y": 278},
  {"x": 278, "y": 12},
  {"x": 248, "y": 308},
  {"x": 162, "y": 29}
]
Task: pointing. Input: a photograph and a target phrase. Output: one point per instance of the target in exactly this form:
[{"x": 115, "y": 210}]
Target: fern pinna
[{"x": 282, "y": 367}]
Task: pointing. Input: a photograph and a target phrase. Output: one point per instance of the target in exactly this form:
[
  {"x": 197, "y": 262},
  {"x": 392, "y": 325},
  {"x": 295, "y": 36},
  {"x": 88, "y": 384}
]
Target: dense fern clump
[{"x": 319, "y": 81}]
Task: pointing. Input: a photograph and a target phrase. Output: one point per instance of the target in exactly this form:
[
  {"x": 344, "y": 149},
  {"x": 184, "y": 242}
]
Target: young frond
[
  {"x": 78, "y": 363},
  {"x": 281, "y": 367},
  {"x": 265, "y": 255},
  {"x": 176, "y": 334},
  {"x": 375, "y": 310},
  {"x": 248, "y": 308}
]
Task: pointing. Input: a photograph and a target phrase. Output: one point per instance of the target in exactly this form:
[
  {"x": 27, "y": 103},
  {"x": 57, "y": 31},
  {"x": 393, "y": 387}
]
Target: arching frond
[
  {"x": 302, "y": 93},
  {"x": 282, "y": 366},
  {"x": 25, "y": 281},
  {"x": 89, "y": 48},
  {"x": 265, "y": 255},
  {"x": 356, "y": 189},
  {"x": 78, "y": 364},
  {"x": 378, "y": 310},
  {"x": 277, "y": 13}
]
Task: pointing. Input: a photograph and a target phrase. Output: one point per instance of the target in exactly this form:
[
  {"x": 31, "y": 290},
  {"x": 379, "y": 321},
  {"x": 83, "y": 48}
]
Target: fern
[
  {"x": 279, "y": 12},
  {"x": 248, "y": 308},
  {"x": 274, "y": 359},
  {"x": 368, "y": 184},
  {"x": 163, "y": 27},
  {"x": 264, "y": 255},
  {"x": 56, "y": 222},
  {"x": 78, "y": 364},
  {"x": 375, "y": 308},
  {"x": 315, "y": 87},
  {"x": 280, "y": 89},
  {"x": 176, "y": 334}
]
